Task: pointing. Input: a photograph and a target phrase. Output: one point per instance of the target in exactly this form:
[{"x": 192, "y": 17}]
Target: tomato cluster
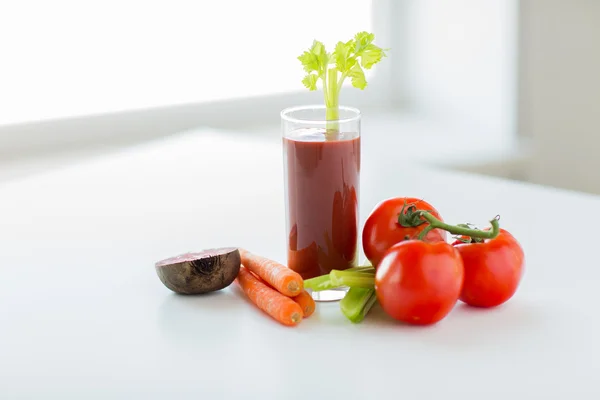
[{"x": 420, "y": 276}]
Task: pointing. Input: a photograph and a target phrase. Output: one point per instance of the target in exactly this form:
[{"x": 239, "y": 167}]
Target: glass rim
[{"x": 285, "y": 115}]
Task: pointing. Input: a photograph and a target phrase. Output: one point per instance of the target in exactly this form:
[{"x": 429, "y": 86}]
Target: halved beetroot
[{"x": 201, "y": 272}]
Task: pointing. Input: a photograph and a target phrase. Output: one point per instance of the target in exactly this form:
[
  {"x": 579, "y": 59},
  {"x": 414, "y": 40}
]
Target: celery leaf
[
  {"x": 363, "y": 39},
  {"x": 358, "y": 77},
  {"x": 315, "y": 59},
  {"x": 310, "y": 81},
  {"x": 369, "y": 53},
  {"x": 342, "y": 56},
  {"x": 370, "y": 56}
]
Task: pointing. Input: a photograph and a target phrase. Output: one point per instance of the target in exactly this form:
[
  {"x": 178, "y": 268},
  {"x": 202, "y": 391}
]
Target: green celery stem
[
  {"x": 366, "y": 268},
  {"x": 352, "y": 279},
  {"x": 319, "y": 283},
  {"x": 332, "y": 114},
  {"x": 324, "y": 282},
  {"x": 332, "y": 111},
  {"x": 357, "y": 303}
]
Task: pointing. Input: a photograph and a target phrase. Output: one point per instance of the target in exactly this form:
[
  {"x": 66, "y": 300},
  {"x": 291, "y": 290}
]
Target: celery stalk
[
  {"x": 352, "y": 279},
  {"x": 366, "y": 269},
  {"x": 357, "y": 303},
  {"x": 319, "y": 283},
  {"x": 331, "y": 103},
  {"x": 324, "y": 282}
]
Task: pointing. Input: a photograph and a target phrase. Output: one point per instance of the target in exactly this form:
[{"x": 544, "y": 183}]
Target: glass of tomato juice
[{"x": 321, "y": 178}]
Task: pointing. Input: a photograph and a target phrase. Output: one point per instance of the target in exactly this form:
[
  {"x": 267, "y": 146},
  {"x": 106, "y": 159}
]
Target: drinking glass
[{"x": 321, "y": 178}]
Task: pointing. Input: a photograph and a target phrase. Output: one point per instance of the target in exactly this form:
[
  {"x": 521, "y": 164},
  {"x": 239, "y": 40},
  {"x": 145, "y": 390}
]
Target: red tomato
[
  {"x": 493, "y": 270},
  {"x": 418, "y": 282},
  {"x": 382, "y": 228}
]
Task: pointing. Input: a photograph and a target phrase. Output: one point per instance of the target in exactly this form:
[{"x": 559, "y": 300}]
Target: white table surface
[{"x": 84, "y": 316}]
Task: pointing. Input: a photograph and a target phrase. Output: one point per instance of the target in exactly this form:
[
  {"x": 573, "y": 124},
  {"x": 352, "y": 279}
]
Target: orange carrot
[
  {"x": 281, "y": 308},
  {"x": 306, "y": 302},
  {"x": 279, "y": 276}
]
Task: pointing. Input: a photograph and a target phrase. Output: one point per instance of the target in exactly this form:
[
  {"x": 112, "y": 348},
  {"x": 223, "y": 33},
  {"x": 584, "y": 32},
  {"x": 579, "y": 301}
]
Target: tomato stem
[
  {"x": 463, "y": 230},
  {"x": 409, "y": 216}
]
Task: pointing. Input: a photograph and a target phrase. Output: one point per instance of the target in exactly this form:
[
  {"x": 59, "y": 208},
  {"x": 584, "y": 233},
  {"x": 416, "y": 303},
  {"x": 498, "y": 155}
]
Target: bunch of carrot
[{"x": 275, "y": 289}]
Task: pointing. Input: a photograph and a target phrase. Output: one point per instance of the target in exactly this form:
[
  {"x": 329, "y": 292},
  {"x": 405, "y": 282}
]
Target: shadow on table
[
  {"x": 190, "y": 317},
  {"x": 465, "y": 326}
]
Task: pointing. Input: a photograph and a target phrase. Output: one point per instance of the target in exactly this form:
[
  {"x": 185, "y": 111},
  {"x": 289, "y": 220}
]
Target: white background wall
[
  {"x": 461, "y": 59},
  {"x": 529, "y": 69},
  {"x": 560, "y": 91}
]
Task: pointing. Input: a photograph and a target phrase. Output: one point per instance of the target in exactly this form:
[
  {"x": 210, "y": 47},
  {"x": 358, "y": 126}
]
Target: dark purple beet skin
[{"x": 201, "y": 272}]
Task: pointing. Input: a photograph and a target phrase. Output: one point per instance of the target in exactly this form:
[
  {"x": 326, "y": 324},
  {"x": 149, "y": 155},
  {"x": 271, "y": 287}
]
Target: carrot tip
[
  {"x": 293, "y": 287},
  {"x": 296, "y": 317}
]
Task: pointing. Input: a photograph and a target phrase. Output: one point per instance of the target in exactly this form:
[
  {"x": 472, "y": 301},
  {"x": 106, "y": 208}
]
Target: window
[
  {"x": 72, "y": 58},
  {"x": 461, "y": 62},
  {"x": 133, "y": 70}
]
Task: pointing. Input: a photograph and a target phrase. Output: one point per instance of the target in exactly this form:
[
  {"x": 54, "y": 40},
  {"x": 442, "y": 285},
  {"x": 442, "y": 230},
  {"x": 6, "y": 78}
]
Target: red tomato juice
[{"x": 322, "y": 192}]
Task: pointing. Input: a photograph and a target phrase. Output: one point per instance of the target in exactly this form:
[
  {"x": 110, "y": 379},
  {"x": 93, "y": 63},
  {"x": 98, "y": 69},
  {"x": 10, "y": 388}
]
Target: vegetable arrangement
[
  {"x": 415, "y": 274},
  {"x": 270, "y": 286},
  {"x": 418, "y": 276}
]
